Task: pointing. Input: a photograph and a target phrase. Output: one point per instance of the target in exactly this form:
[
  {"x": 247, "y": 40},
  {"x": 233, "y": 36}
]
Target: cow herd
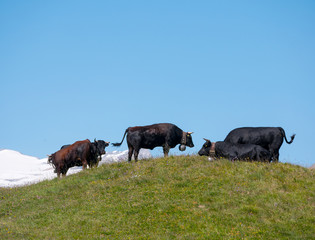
[{"x": 249, "y": 143}]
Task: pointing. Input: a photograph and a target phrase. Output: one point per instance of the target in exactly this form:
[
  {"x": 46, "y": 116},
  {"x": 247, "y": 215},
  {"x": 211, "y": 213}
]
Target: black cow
[
  {"x": 98, "y": 148},
  {"x": 164, "y": 135},
  {"x": 235, "y": 151},
  {"x": 270, "y": 138}
]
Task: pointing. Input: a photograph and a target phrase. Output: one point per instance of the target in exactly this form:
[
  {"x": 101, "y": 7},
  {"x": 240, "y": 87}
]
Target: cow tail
[
  {"x": 283, "y": 134},
  {"x": 118, "y": 144}
]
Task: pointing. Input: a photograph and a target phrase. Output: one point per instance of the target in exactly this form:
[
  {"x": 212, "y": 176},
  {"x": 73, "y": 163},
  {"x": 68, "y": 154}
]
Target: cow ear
[{"x": 95, "y": 140}]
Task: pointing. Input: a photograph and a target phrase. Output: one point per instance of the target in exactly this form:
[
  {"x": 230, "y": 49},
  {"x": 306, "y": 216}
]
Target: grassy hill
[{"x": 185, "y": 197}]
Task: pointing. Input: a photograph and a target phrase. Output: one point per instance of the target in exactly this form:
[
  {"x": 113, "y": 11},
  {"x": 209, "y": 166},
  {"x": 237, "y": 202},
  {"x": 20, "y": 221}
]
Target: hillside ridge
[{"x": 179, "y": 197}]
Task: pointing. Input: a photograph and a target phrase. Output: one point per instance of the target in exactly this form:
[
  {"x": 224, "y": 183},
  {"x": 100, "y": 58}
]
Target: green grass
[{"x": 185, "y": 197}]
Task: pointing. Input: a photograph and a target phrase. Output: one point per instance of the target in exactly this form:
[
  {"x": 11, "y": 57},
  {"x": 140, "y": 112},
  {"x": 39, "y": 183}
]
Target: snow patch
[{"x": 18, "y": 169}]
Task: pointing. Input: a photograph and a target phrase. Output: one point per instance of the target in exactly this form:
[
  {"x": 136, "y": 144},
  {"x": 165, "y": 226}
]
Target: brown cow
[
  {"x": 98, "y": 146},
  {"x": 80, "y": 153}
]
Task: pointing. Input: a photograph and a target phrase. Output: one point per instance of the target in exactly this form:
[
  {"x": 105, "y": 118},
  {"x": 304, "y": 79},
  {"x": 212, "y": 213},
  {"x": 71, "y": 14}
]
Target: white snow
[{"x": 17, "y": 169}]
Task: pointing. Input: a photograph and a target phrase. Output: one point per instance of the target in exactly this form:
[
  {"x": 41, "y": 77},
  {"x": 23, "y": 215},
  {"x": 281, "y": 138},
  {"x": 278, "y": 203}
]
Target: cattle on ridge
[
  {"x": 234, "y": 151},
  {"x": 164, "y": 135},
  {"x": 81, "y": 153},
  {"x": 270, "y": 138},
  {"x": 98, "y": 146}
]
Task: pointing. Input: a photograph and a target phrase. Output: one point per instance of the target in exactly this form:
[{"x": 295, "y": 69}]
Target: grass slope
[{"x": 185, "y": 197}]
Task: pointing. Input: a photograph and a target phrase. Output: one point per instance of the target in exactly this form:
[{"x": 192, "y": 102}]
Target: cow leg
[
  {"x": 130, "y": 152},
  {"x": 58, "y": 171},
  {"x": 63, "y": 171},
  {"x": 136, "y": 154},
  {"x": 276, "y": 156},
  {"x": 269, "y": 157},
  {"x": 255, "y": 155},
  {"x": 274, "y": 152},
  {"x": 258, "y": 158},
  {"x": 264, "y": 157},
  {"x": 84, "y": 165},
  {"x": 166, "y": 150},
  {"x": 96, "y": 164},
  {"x": 98, "y": 160}
]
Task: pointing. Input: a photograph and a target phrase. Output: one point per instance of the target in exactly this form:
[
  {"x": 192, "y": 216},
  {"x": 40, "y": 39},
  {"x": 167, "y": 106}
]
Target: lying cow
[
  {"x": 270, "y": 138},
  {"x": 81, "y": 153},
  {"x": 98, "y": 146},
  {"x": 164, "y": 135},
  {"x": 235, "y": 151}
]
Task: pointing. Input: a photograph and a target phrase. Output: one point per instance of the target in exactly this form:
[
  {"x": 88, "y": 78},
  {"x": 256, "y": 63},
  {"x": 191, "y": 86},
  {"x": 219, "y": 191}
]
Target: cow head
[
  {"x": 100, "y": 146},
  {"x": 97, "y": 149},
  {"x": 189, "y": 141},
  {"x": 205, "y": 150},
  {"x": 186, "y": 141}
]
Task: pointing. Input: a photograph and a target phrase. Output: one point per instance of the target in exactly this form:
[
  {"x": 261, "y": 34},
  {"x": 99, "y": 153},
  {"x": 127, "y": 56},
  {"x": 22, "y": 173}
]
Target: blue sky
[{"x": 72, "y": 70}]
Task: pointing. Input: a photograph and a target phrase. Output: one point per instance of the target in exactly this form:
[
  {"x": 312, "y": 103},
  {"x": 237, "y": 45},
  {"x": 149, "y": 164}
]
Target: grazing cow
[
  {"x": 233, "y": 151},
  {"x": 98, "y": 146},
  {"x": 81, "y": 153},
  {"x": 270, "y": 138},
  {"x": 164, "y": 135}
]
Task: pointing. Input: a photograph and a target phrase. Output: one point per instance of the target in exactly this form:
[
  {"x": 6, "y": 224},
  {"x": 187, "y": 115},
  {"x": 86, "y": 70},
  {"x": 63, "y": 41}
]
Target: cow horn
[
  {"x": 95, "y": 140},
  {"x": 207, "y": 140},
  {"x": 190, "y": 132},
  {"x": 107, "y": 142}
]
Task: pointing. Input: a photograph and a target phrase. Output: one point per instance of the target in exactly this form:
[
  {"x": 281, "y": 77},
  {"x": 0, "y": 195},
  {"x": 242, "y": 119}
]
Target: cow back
[
  {"x": 72, "y": 155},
  {"x": 154, "y": 135},
  {"x": 263, "y": 136}
]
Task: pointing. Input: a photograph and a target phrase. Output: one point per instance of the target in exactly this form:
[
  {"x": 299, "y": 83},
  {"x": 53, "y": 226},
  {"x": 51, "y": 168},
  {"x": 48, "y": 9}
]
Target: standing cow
[
  {"x": 80, "y": 153},
  {"x": 270, "y": 138},
  {"x": 98, "y": 148},
  {"x": 164, "y": 135}
]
